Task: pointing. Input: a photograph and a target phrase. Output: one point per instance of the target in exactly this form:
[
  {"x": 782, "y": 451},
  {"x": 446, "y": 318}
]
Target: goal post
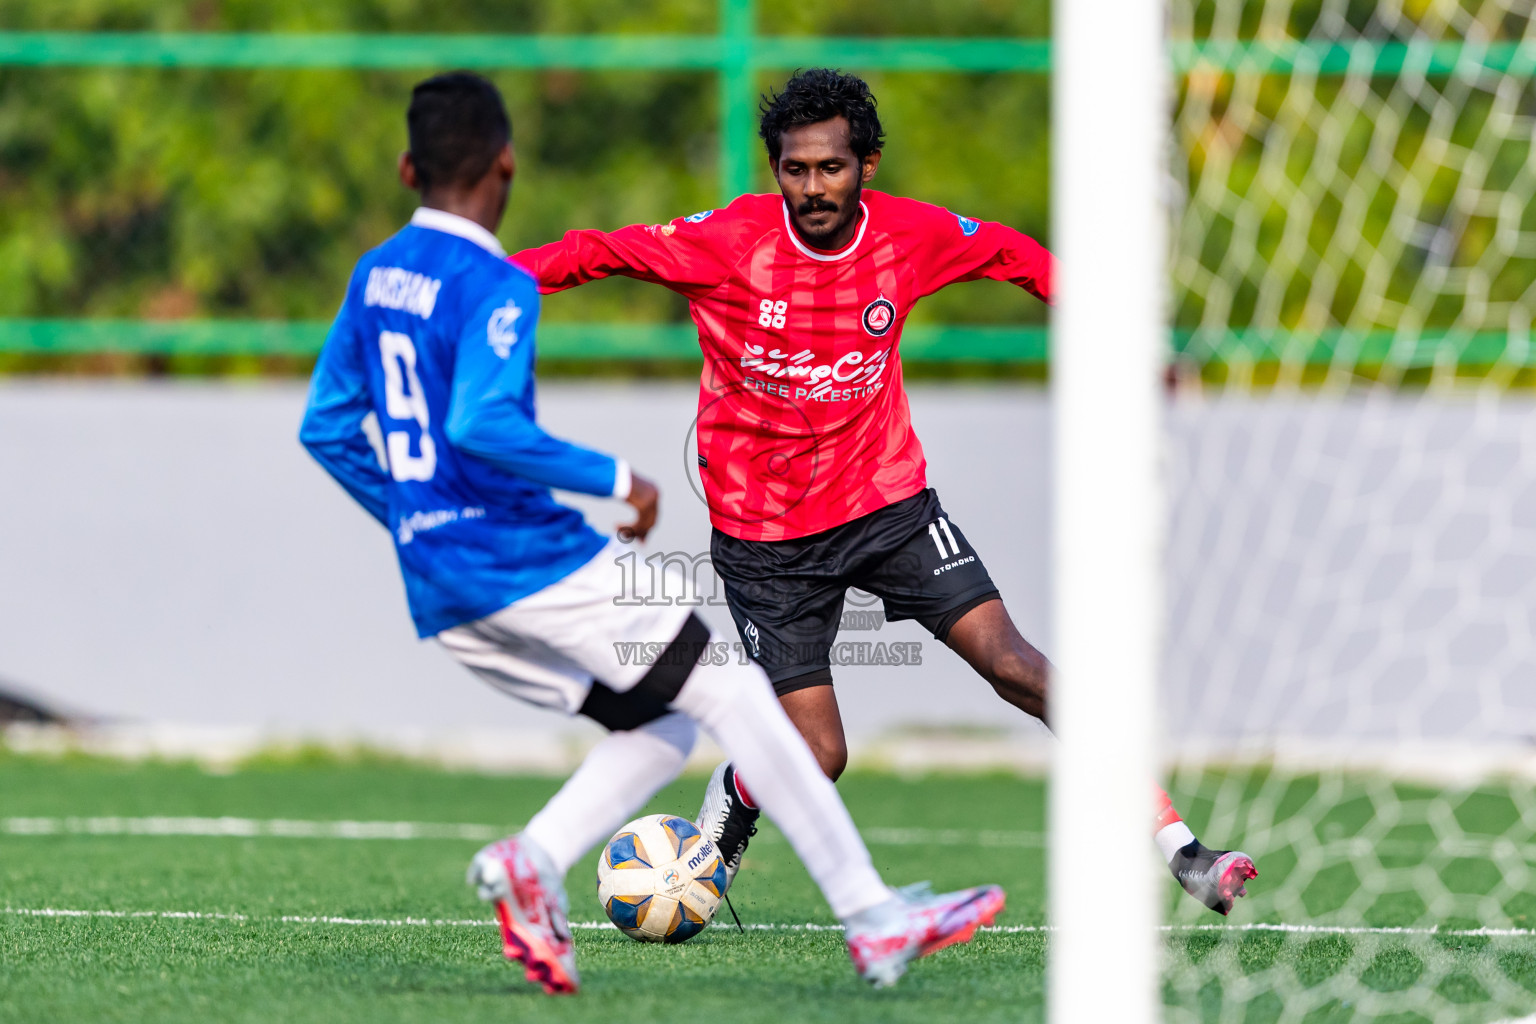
[
  {"x": 1108, "y": 340},
  {"x": 1345, "y": 576}
]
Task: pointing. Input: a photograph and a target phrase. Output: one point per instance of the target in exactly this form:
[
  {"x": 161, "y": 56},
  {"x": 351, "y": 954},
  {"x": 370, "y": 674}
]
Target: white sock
[
  {"x": 736, "y": 705},
  {"x": 1172, "y": 838},
  {"x": 614, "y": 781}
]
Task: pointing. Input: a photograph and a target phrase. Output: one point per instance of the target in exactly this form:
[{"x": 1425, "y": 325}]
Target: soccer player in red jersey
[{"x": 814, "y": 477}]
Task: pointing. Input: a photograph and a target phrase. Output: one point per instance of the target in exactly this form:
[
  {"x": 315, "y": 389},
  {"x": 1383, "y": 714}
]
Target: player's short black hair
[
  {"x": 457, "y": 124},
  {"x": 814, "y": 95}
]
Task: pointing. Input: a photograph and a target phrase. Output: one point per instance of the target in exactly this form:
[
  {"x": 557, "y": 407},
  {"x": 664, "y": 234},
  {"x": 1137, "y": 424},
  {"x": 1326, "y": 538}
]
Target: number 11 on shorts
[{"x": 933, "y": 531}]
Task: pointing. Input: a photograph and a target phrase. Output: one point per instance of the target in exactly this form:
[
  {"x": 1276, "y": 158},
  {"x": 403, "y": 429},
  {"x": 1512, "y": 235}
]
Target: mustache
[{"x": 816, "y": 206}]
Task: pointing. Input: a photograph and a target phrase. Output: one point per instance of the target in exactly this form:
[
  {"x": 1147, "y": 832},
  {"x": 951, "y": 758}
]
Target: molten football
[{"x": 660, "y": 880}]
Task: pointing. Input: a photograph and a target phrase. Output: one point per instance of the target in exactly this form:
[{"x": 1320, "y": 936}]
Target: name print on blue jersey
[{"x": 397, "y": 288}]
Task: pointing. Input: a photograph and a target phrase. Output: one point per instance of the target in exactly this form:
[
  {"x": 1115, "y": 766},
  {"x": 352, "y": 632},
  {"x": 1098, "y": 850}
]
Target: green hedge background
[{"x": 249, "y": 194}]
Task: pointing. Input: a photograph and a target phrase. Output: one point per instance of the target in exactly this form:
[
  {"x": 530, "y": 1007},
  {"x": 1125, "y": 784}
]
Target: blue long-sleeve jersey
[{"x": 422, "y": 407}]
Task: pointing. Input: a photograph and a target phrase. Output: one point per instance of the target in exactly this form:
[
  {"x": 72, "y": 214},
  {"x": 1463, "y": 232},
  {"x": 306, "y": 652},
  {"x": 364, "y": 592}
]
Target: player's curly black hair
[{"x": 813, "y": 95}]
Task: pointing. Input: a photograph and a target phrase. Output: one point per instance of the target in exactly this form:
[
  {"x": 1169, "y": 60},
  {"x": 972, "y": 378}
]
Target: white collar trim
[
  {"x": 453, "y": 224},
  {"x": 823, "y": 257}
]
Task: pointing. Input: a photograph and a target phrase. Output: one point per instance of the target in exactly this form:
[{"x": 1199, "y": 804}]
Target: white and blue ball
[{"x": 660, "y": 880}]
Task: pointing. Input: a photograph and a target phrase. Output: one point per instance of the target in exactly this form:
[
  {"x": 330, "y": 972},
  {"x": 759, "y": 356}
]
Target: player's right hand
[{"x": 644, "y": 497}]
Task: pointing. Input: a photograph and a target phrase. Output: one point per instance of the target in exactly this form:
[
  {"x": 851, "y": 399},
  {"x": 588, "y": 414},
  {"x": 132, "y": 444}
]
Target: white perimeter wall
[
  {"x": 170, "y": 553},
  {"x": 1339, "y": 569}
]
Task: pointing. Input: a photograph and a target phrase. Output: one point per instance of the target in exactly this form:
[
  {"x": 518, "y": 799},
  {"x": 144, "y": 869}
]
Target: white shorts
[{"x": 548, "y": 647}]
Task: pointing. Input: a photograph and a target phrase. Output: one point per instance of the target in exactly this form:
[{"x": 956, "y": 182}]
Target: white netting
[
  {"x": 1386, "y": 211},
  {"x": 1351, "y": 668}
]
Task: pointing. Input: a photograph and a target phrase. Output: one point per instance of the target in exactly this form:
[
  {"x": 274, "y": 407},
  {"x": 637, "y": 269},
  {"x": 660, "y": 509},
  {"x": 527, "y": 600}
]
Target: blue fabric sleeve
[
  {"x": 491, "y": 416},
  {"x": 333, "y": 430}
]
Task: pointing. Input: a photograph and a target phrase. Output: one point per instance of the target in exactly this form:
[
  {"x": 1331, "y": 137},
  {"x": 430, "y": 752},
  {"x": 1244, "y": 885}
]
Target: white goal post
[
  {"x": 1108, "y": 335},
  {"x": 1299, "y": 585}
]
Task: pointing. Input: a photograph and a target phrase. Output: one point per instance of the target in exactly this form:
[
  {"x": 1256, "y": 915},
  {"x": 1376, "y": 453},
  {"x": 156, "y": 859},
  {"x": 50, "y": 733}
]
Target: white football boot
[
  {"x": 531, "y": 910},
  {"x": 923, "y": 924},
  {"x": 726, "y": 820},
  {"x": 1214, "y": 877}
]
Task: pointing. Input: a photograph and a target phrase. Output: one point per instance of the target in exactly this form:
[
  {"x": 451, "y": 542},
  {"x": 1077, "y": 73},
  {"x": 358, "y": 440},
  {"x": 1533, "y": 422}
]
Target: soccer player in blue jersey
[{"x": 422, "y": 408}]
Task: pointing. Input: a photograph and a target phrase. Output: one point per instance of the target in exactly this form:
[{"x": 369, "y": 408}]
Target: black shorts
[{"x": 787, "y": 595}]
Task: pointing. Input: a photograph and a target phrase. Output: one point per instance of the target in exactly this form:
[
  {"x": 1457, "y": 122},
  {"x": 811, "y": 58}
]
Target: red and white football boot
[
  {"x": 926, "y": 924},
  {"x": 531, "y": 910},
  {"x": 1214, "y": 877}
]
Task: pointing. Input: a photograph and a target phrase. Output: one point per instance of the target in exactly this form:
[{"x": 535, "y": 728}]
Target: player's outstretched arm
[
  {"x": 336, "y": 421},
  {"x": 690, "y": 255},
  {"x": 952, "y": 248}
]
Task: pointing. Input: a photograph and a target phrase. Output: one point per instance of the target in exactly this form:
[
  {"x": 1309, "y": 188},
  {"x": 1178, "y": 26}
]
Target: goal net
[{"x": 1349, "y": 679}]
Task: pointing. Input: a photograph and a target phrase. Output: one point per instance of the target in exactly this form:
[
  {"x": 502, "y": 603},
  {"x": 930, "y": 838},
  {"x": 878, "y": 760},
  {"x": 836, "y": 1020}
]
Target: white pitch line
[
  {"x": 285, "y": 828},
  {"x": 64, "y": 912},
  {"x": 1012, "y": 929},
  {"x": 279, "y": 828}
]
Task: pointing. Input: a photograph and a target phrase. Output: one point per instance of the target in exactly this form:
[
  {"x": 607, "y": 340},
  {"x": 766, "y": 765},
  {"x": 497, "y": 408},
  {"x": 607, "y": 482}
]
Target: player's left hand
[{"x": 644, "y": 496}]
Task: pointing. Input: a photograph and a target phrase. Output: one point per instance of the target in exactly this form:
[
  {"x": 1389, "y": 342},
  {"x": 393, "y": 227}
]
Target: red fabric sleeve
[
  {"x": 948, "y": 254},
  {"x": 691, "y": 255}
]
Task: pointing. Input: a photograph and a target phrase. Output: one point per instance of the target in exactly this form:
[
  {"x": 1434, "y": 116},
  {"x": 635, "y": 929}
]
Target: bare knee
[
  {"x": 814, "y": 711},
  {"x": 831, "y": 752}
]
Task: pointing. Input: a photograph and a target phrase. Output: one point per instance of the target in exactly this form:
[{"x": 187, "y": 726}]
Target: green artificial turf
[{"x": 253, "y": 966}]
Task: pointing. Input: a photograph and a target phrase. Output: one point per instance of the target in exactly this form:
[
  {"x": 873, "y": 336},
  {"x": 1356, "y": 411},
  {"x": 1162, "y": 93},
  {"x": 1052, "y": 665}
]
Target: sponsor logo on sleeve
[
  {"x": 879, "y": 317},
  {"x": 424, "y": 521},
  {"x": 702, "y": 215},
  {"x": 501, "y": 329},
  {"x": 968, "y": 227}
]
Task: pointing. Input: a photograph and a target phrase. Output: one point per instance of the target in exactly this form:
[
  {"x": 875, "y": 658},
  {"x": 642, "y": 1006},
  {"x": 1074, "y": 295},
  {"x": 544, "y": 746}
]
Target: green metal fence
[
  {"x": 734, "y": 53},
  {"x": 578, "y": 341}
]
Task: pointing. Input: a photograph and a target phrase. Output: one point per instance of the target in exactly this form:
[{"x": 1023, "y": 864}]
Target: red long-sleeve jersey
[{"x": 803, "y": 424}]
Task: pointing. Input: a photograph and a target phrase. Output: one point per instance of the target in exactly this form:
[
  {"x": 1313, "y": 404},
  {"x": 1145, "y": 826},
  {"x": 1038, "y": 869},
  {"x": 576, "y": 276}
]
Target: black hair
[
  {"x": 814, "y": 95},
  {"x": 457, "y": 124}
]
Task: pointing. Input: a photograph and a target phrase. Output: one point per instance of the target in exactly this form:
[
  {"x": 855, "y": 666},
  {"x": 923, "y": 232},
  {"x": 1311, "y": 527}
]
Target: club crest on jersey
[
  {"x": 694, "y": 218},
  {"x": 968, "y": 227},
  {"x": 878, "y": 317},
  {"x": 501, "y": 329}
]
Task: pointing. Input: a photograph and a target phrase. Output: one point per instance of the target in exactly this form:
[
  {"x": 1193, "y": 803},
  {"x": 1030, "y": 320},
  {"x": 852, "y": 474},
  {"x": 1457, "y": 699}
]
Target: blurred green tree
[{"x": 171, "y": 193}]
